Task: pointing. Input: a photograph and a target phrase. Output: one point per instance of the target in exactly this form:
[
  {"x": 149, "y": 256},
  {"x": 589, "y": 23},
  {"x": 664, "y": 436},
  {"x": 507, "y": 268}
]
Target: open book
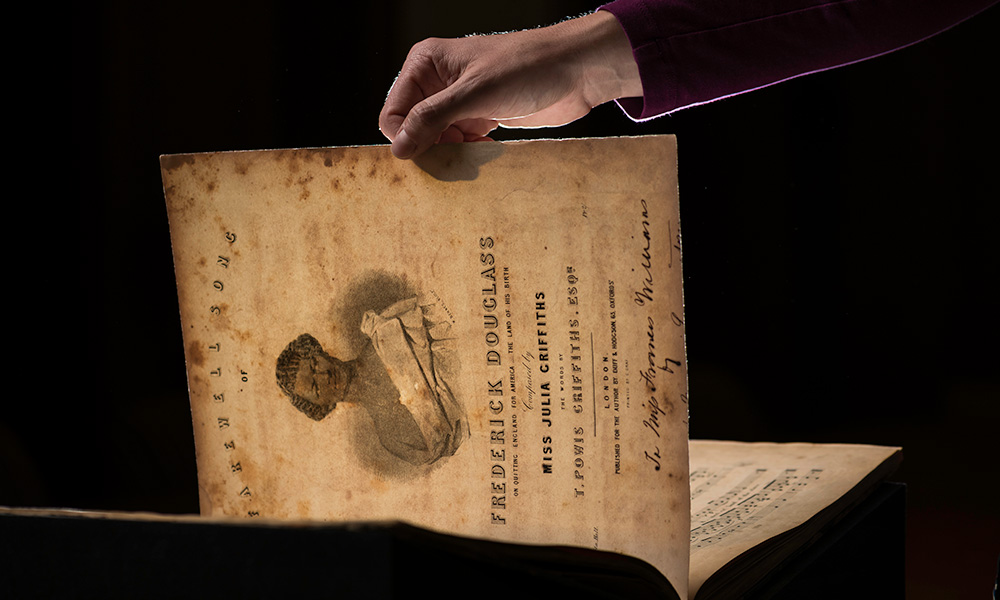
[{"x": 487, "y": 342}]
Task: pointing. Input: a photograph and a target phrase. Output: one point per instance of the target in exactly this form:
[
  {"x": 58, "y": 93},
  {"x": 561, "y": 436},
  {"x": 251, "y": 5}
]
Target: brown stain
[
  {"x": 396, "y": 178},
  {"x": 206, "y": 497},
  {"x": 478, "y": 413},
  {"x": 317, "y": 248},
  {"x": 172, "y": 162},
  {"x": 224, "y": 230},
  {"x": 195, "y": 354},
  {"x": 335, "y": 184},
  {"x": 248, "y": 470},
  {"x": 202, "y": 261},
  {"x": 196, "y": 381},
  {"x": 328, "y": 162},
  {"x": 240, "y": 168},
  {"x": 210, "y": 186},
  {"x": 222, "y": 319},
  {"x": 216, "y": 492},
  {"x": 311, "y": 154},
  {"x": 372, "y": 171},
  {"x": 304, "y": 182}
]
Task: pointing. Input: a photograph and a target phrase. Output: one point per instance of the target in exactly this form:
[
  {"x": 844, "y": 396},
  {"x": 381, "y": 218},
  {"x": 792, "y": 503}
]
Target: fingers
[
  {"x": 441, "y": 97},
  {"x": 440, "y": 118},
  {"x": 452, "y": 135},
  {"x": 460, "y": 90},
  {"x": 434, "y": 118},
  {"x": 467, "y": 130},
  {"x": 417, "y": 80},
  {"x": 390, "y": 119},
  {"x": 476, "y": 128},
  {"x": 452, "y": 91},
  {"x": 420, "y": 109}
]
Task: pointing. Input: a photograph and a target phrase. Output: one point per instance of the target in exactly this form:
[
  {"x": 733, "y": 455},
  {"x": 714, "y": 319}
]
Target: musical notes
[{"x": 740, "y": 499}]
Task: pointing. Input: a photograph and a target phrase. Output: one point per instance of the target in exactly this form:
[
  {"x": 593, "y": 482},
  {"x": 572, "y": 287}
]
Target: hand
[{"x": 454, "y": 90}]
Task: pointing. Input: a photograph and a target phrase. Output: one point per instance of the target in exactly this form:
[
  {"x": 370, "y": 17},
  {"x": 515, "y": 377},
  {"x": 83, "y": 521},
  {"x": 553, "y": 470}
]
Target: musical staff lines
[{"x": 745, "y": 503}]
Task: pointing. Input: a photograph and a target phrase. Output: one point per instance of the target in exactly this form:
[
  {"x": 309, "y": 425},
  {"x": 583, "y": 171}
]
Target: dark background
[{"x": 840, "y": 247}]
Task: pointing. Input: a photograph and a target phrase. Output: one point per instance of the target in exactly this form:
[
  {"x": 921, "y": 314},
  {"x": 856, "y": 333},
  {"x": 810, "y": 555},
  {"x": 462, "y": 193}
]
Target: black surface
[
  {"x": 839, "y": 236},
  {"x": 860, "y": 555},
  {"x": 67, "y": 556}
]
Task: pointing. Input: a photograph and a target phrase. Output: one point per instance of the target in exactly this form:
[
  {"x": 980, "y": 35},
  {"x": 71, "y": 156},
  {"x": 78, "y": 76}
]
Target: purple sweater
[{"x": 694, "y": 51}]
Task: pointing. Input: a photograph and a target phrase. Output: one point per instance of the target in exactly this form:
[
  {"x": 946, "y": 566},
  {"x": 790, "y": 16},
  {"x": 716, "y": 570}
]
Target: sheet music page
[
  {"x": 743, "y": 494},
  {"x": 488, "y": 341}
]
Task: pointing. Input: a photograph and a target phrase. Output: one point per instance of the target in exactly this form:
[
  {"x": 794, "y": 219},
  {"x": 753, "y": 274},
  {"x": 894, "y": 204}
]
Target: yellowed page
[
  {"x": 743, "y": 494},
  {"x": 486, "y": 342}
]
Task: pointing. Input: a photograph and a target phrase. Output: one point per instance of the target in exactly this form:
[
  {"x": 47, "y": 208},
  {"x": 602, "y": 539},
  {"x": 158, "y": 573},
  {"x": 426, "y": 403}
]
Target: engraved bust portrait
[{"x": 397, "y": 377}]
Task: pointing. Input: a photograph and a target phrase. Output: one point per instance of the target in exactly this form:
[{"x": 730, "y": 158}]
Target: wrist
[{"x": 608, "y": 68}]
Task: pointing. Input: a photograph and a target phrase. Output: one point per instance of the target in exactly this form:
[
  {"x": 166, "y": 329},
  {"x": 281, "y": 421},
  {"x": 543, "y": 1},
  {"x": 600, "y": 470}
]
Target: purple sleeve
[{"x": 694, "y": 51}]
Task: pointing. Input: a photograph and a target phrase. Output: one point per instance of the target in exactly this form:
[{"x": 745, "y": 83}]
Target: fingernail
[{"x": 403, "y": 146}]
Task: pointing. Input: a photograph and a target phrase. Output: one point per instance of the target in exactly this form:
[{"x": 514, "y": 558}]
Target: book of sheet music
[{"x": 488, "y": 341}]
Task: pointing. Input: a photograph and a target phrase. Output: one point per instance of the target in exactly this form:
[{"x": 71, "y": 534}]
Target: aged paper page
[
  {"x": 488, "y": 342},
  {"x": 743, "y": 494}
]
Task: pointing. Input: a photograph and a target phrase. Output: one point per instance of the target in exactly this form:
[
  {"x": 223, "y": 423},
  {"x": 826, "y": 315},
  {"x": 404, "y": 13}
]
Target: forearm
[{"x": 598, "y": 49}]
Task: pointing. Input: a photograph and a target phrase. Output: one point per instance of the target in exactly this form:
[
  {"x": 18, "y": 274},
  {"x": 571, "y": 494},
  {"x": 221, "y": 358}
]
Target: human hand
[{"x": 454, "y": 90}]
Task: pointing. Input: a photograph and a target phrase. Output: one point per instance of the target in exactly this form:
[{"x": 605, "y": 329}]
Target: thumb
[{"x": 425, "y": 123}]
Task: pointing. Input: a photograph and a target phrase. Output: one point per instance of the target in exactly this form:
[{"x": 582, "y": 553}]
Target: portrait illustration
[{"x": 402, "y": 360}]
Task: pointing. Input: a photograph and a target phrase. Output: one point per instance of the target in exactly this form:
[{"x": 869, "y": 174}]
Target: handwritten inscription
[
  {"x": 645, "y": 294},
  {"x": 656, "y": 410}
]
